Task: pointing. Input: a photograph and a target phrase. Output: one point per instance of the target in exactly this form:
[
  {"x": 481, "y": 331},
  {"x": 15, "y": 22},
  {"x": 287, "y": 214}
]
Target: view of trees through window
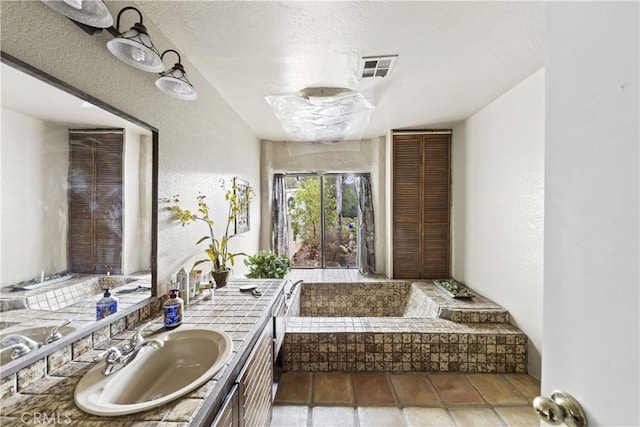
[{"x": 323, "y": 219}]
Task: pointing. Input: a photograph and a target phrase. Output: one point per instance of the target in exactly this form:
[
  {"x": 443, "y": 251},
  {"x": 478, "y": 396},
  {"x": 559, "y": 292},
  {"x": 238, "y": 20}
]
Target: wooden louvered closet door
[
  {"x": 421, "y": 201},
  {"x": 95, "y": 201}
]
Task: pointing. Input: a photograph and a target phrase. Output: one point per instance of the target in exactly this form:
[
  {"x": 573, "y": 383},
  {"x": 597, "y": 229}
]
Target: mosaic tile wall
[
  {"x": 394, "y": 299},
  {"x": 420, "y": 305},
  {"x": 405, "y": 352},
  {"x": 354, "y": 299}
]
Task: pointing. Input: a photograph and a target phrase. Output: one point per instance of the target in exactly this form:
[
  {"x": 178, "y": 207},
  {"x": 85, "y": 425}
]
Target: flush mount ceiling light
[
  {"x": 174, "y": 82},
  {"x": 322, "y": 114},
  {"x": 135, "y": 47},
  {"x": 93, "y": 13}
]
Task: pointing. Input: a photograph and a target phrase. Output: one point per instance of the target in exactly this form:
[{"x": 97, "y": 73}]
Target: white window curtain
[
  {"x": 279, "y": 216},
  {"x": 366, "y": 233},
  {"x": 366, "y": 224}
]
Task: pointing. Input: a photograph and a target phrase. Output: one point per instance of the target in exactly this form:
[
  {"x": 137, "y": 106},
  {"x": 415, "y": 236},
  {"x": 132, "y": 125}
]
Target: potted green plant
[
  {"x": 217, "y": 250},
  {"x": 266, "y": 264}
]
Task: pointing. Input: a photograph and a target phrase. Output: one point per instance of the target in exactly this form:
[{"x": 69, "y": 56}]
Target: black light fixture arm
[
  {"x": 120, "y": 14},
  {"x": 115, "y": 31},
  {"x": 177, "y": 66},
  {"x": 171, "y": 50},
  {"x": 134, "y": 47}
]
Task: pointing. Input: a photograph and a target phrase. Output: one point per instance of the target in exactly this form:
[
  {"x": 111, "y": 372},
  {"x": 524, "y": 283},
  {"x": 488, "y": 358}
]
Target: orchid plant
[{"x": 217, "y": 250}]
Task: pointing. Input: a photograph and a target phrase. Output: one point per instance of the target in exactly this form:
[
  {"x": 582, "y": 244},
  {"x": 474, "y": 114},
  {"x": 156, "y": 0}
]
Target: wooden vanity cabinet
[
  {"x": 249, "y": 403},
  {"x": 228, "y": 414},
  {"x": 256, "y": 383}
]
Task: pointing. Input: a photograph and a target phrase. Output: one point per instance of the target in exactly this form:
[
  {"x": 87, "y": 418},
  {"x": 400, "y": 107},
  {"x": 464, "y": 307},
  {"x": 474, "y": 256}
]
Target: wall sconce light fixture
[
  {"x": 93, "y": 13},
  {"x": 174, "y": 82},
  {"x": 135, "y": 47}
]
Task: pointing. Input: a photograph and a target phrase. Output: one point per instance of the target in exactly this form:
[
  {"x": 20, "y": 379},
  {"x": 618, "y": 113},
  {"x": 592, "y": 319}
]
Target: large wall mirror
[{"x": 78, "y": 209}]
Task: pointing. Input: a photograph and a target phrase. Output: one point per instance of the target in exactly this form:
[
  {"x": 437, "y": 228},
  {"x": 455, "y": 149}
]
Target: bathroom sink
[
  {"x": 38, "y": 334},
  {"x": 187, "y": 360}
]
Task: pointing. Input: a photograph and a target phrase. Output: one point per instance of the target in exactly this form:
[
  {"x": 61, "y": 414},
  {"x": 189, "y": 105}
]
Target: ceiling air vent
[{"x": 377, "y": 66}]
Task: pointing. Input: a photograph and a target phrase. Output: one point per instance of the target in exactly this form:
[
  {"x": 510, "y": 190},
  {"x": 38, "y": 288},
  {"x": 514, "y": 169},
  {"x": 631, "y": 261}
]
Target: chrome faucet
[
  {"x": 293, "y": 287},
  {"x": 20, "y": 345},
  {"x": 117, "y": 359},
  {"x": 54, "y": 334},
  {"x": 19, "y": 350}
]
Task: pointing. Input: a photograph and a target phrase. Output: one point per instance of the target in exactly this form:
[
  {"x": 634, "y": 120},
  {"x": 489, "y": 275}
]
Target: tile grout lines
[{"x": 449, "y": 408}]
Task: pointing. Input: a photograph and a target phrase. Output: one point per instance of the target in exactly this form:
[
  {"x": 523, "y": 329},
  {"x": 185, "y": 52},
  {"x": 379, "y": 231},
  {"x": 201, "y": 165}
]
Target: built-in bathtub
[{"x": 398, "y": 326}]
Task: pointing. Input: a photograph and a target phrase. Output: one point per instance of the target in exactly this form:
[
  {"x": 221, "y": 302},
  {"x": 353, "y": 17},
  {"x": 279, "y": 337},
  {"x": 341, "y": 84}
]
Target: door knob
[{"x": 561, "y": 408}]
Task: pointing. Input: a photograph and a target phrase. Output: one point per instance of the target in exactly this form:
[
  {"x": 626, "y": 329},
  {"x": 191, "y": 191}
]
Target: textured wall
[
  {"x": 200, "y": 141},
  {"x": 40, "y": 153},
  {"x": 498, "y": 205}
]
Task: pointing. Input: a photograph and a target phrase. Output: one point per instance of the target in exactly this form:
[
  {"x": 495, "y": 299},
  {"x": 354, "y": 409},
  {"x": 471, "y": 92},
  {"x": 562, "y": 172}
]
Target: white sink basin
[
  {"x": 187, "y": 360},
  {"x": 38, "y": 334}
]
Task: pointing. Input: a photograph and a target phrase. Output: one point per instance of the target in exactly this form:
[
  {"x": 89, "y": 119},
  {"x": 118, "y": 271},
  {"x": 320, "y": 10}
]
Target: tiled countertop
[{"x": 239, "y": 314}]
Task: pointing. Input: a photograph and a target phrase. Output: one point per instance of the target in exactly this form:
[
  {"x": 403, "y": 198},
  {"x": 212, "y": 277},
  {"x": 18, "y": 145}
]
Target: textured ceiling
[
  {"x": 454, "y": 57},
  {"x": 24, "y": 94}
]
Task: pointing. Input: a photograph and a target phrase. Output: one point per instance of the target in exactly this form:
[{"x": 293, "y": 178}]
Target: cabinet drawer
[
  {"x": 279, "y": 325},
  {"x": 255, "y": 383},
  {"x": 228, "y": 414}
]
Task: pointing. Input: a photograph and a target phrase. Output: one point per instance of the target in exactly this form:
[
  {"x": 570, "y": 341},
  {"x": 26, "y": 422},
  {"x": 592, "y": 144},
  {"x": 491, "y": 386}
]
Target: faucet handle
[
  {"x": 135, "y": 341},
  {"x": 54, "y": 334},
  {"x": 112, "y": 355},
  {"x": 19, "y": 350},
  {"x": 20, "y": 339}
]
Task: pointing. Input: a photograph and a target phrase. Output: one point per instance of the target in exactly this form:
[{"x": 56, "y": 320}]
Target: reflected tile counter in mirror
[
  {"x": 73, "y": 301},
  {"x": 78, "y": 288}
]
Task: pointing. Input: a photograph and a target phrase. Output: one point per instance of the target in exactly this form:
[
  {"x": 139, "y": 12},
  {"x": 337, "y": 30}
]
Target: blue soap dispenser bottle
[
  {"x": 172, "y": 310},
  {"x": 107, "y": 305}
]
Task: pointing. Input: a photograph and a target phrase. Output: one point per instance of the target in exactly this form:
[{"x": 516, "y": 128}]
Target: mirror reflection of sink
[
  {"x": 38, "y": 334},
  {"x": 187, "y": 360}
]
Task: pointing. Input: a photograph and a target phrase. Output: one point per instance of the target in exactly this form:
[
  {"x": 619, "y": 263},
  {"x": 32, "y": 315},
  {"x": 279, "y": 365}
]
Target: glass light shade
[
  {"x": 136, "y": 49},
  {"x": 322, "y": 114},
  {"x": 93, "y": 13},
  {"x": 174, "y": 82}
]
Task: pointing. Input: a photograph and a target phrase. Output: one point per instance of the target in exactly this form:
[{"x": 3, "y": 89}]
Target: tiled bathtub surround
[
  {"x": 420, "y": 337},
  {"x": 486, "y": 348},
  {"x": 354, "y": 299},
  {"x": 394, "y": 299}
]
